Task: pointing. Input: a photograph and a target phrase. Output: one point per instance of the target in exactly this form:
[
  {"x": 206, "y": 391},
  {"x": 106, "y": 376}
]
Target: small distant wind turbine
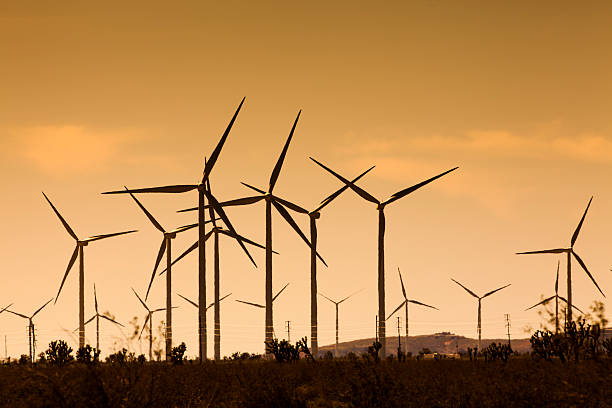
[
  {"x": 78, "y": 251},
  {"x": 570, "y": 251},
  {"x": 31, "y": 331},
  {"x": 264, "y": 307},
  {"x": 405, "y": 304},
  {"x": 97, "y": 316},
  {"x": 557, "y": 298},
  {"x": 479, "y": 327},
  {"x": 191, "y": 302},
  {"x": 148, "y": 319},
  {"x": 202, "y": 196},
  {"x": 381, "y": 237},
  {"x": 337, "y": 322}
]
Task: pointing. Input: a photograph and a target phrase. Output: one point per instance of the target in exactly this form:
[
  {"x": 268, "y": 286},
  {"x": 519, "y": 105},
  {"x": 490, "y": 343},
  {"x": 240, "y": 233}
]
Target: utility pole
[
  {"x": 288, "y": 324},
  {"x": 399, "y": 339},
  {"x": 507, "y": 316},
  {"x": 5, "y": 349},
  {"x": 376, "y": 329}
]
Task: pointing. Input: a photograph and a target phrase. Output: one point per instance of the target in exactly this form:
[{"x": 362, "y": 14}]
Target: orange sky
[{"x": 518, "y": 96}]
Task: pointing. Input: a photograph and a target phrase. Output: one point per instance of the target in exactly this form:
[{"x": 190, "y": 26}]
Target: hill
[{"x": 444, "y": 342}]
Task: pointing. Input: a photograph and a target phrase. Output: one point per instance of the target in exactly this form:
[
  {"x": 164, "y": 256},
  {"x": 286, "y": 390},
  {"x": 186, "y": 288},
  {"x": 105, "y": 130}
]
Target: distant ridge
[{"x": 444, "y": 342}]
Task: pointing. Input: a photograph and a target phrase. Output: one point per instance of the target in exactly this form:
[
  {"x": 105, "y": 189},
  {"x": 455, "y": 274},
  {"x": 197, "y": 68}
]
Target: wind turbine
[
  {"x": 279, "y": 204},
  {"x": 166, "y": 246},
  {"x": 78, "y": 252},
  {"x": 405, "y": 305},
  {"x": 557, "y": 298},
  {"x": 97, "y": 316},
  {"x": 381, "y": 237},
  {"x": 202, "y": 195},
  {"x": 148, "y": 319},
  {"x": 31, "y": 332},
  {"x": 479, "y": 327},
  {"x": 265, "y": 307},
  {"x": 570, "y": 251},
  {"x": 337, "y": 326}
]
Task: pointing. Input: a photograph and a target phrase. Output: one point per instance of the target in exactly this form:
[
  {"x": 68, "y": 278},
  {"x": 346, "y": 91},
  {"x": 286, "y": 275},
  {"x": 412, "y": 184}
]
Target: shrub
[
  {"x": 59, "y": 353},
  {"x": 24, "y": 359},
  {"x": 374, "y": 349},
  {"x": 497, "y": 351},
  {"x": 176, "y": 357},
  {"x": 283, "y": 351},
  {"x": 88, "y": 355},
  {"x": 121, "y": 357},
  {"x": 579, "y": 341}
]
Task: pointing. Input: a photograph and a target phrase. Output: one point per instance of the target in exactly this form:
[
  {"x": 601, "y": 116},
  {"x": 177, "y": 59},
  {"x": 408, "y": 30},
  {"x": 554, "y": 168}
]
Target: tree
[{"x": 59, "y": 353}]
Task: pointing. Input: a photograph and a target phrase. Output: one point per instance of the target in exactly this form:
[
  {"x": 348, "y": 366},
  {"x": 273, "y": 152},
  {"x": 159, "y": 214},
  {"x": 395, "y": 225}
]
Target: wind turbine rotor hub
[
  {"x": 170, "y": 235},
  {"x": 82, "y": 243},
  {"x": 380, "y": 206},
  {"x": 201, "y": 187},
  {"x": 315, "y": 215}
]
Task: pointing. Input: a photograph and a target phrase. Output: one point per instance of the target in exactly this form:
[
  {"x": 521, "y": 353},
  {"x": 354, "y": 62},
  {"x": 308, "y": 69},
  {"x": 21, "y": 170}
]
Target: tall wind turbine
[
  {"x": 381, "y": 237},
  {"x": 405, "y": 305},
  {"x": 202, "y": 195},
  {"x": 337, "y": 304},
  {"x": 570, "y": 251},
  {"x": 479, "y": 327},
  {"x": 148, "y": 319},
  {"x": 265, "y": 307},
  {"x": 279, "y": 204},
  {"x": 97, "y": 316},
  {"x": 314, "y": 215},
  {"x": 166, "y": 246},
  {"x": 31, "y": 332},
  {"x": 78, "y": 252},
  {"x": 557, "y": 298}
]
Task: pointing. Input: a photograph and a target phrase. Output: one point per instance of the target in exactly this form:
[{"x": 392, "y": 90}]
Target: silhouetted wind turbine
[
  {"x": 149, "y": 319},
  {"x": 405, "y": 304},
  {"x": 166, "y": 246},
  {"x": 78, "y": 251},
  {"x": 97, "y": 316},
  {"x": 479, "y": 327},
  {"x": 570, "y": 251},
  {"x": 556, "y": 297},
  {"x": 279, "y": 204},
  {"x": 381, "y": 237},
  {"x": 337, "y": 323},
  {"x": 265, "y": 307},
  {"x": 31, "y": 332},
  {"x": 202, "y": 194},
  {"x": 314, "y": 215}
]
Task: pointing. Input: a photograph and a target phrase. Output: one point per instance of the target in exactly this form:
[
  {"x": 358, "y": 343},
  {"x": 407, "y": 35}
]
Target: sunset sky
[{"x": 97, "y": 96}]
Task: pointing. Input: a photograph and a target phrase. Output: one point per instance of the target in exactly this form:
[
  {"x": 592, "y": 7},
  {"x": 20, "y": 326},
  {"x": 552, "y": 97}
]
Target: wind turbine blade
[
  {"x": 545, "y": 251},
  {"x": 215, "y": 154},
  {"x": 64, "y": 223},
  {"x": 364, "y": 194},
  {"x": 148, "y": 214},
  {"x": 291, "y": 206},
  {"x": 177, "y": 188},
  {"x": 350, "y": 296},
  {"x": 160, "y": 254},
  {"x": 260, "y": 191},
  {"x": 70, "y": 264},
  {"x": 279, "y": 292},
  {"x": 187, "y": 251},
  {"x": 6, "y": 307},
  {"x": 87, "y": 322},
  {"x": 285, "y": 214},
  {"x": 187, "y": 227},
  {"x": 104, "y": 236},
  {"x": 213, "y": 303},
  {"x": 402, "y": 282},
  {"x": 219, "y": 210},
  {"x": 141, "y": 301},
  {"x": 248, "y": 241},
  {"x": 230, "y": 203},
  {"x": 422, "y": 304},
  {"x": 575, "y": 307},
  {"x": 543, "y": 302},
  {"x": 281, "y": 159},
  {"x": 396, "y": 309},
  {"x": 144, "y": 325},
  {"x": 493, "y": 291},
  {"x": 327, "y": 298},
  {"x": 41, "y": 308},
  {"x": 557, "y": 279},
  {"x": 333, "y": 196},
  {"x": 406, "y": 191},
  {"x": 581, "y": 262},
  {"x": 111, "y": 320},
  {"x": 188, "y": 300},
  {"x": 468, "y": 291},
  {"x": 251, "y": 304},
  {"x": 577, "y": 231},
  {"x": 18, "y": 314},
  {"x": 187, "y": 210},
  {"x": 95, "y": 299}
]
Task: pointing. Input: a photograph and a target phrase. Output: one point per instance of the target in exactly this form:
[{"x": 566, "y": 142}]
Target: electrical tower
[{"x": 507, "y": 316}]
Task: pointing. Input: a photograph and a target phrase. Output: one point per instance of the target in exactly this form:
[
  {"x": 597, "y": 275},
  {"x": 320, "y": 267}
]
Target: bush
[
  {"x": 24, "y": 359},
  {"x": 497, "y": 351},
  {"x": 374, "y": 349},
  {"x": 176, "y": 357},
  {"x": 59, "y": 353},
  {"x": 121, "y": 357},
  {"x": 88, "y": 355},
  {"x": 283, "y": 351},
  {"x": 579, "y": 341}
]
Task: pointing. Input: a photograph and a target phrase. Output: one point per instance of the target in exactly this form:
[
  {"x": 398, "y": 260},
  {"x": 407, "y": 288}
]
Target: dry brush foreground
[{"x": 521, "y": 382}]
